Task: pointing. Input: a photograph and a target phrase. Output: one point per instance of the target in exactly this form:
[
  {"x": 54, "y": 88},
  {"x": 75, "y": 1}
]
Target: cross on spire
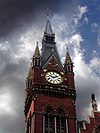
[{"x": 48, "y": 13}]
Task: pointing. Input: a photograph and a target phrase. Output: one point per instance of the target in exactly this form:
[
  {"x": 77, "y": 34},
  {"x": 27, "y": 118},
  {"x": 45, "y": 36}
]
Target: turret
[
  {"x": 34, "y": 70},
  {"x": 36, "y": 65},
  {"x": 68, "y": 65},
  {"x": 68, "y": 68},
  {"x": 94, "y": 103},
  {"x": 36, "y": 61}
]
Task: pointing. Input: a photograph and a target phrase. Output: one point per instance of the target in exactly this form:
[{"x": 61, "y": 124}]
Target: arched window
[
  {"x": 49, "y": 121},
  {"x": 60, "y": 124},
  {"x": 60, "y": 120},
  {"x": 54, "y": 120}
]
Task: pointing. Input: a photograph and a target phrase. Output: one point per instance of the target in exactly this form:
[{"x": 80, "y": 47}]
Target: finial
[
  {"x": 37, "y": 43},
  {"x": 93, "y": 96},
  {"x": 67, "y": 49}
]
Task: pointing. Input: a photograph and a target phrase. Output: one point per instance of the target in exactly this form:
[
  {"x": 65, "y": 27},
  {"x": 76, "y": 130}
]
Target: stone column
[
  {"x": 43, "y": 123},
  {"x": 66, "y": 123},
  {"x": 55, "y": 124}
]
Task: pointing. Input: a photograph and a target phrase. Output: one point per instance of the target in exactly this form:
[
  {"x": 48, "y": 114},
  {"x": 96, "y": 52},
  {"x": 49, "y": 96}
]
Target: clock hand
[{"x": 53, "y": 76}]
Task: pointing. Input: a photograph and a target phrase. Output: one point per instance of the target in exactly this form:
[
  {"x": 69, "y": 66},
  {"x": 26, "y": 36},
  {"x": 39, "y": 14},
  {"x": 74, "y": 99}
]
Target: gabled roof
[
  {"x": 47, "y": 51},
  {"x": 54, "y": 63}
]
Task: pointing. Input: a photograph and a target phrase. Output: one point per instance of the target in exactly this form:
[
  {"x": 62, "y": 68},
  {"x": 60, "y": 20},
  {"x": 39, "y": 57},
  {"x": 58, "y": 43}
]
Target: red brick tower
[{"x": 50, "y": 90}]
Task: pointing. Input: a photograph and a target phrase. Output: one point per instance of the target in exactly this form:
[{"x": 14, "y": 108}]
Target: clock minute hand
[{"x": 53, "y": 76}]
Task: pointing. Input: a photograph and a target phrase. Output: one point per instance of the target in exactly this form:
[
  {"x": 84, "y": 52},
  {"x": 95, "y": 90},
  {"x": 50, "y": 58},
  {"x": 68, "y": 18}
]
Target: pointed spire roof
[
  {"x": 48, "y": 45},
  {"x": 48, "y": 28},
  {"x": 37, "y": 52},
  {"x": 68, "y": 58}
]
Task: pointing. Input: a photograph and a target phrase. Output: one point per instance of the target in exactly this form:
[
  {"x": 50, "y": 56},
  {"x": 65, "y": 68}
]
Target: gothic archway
[
  {"x": 49, "y": 108},
  {"x": 48, "y": 119}
]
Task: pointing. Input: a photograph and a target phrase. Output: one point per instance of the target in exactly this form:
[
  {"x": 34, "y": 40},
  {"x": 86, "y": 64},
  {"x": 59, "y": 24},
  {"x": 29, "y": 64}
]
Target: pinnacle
[
  {"x": 30, "y": 73},
  {"x": 37, "y": 52},
  {"x": 68, "y": 58},
  {"x": 94, "y": 103}
]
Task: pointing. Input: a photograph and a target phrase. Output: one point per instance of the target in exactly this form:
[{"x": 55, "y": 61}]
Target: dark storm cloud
[
  {"x": 12, "y": 86},
  {"x": 12, "y": 124},
  {"x": 18, "y": 13},
  {"x": 12, "y": 82}
]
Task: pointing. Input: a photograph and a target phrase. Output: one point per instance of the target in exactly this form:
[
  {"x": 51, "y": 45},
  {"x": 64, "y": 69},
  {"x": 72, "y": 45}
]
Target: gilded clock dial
[{"x": 53, "y": 77}]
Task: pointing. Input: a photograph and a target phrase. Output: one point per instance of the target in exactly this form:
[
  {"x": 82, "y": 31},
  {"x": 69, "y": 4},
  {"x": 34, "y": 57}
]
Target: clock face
[{"x": 53, "y": 77}]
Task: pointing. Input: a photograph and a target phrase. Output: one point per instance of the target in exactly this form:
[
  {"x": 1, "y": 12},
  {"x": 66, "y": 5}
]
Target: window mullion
[
  {"x": 55, "y": 124},
  {"x": 48, "y": 123},
  {"x": 66, "y": 124},
  {"x": 60, "y": 122},
  {"x": 44, "y": 123}
]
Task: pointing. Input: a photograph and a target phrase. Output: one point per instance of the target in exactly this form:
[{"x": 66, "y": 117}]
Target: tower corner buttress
[{"x": 68, "y": 68}]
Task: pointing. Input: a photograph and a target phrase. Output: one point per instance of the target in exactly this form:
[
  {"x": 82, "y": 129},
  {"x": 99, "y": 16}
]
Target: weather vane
[{"x": 48, "y": 11}]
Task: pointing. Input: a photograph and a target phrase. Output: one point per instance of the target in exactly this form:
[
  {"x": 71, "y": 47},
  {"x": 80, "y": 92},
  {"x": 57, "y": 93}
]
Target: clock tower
[{"x": 50, "y": 90}]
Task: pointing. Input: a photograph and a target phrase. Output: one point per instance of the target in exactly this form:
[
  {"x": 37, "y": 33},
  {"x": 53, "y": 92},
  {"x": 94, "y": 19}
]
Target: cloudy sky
[{"x": 76, "y": 24}]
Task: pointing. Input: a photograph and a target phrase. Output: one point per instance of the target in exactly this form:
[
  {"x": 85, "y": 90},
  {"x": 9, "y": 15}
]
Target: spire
[
  {"x": 30, "y": 73},
  {"x": 48, "y": 45},
  {"x": 94, "y": 103},
  {"x": 68, "y": 58},
  {"x": 37, "y": 52},
  {"x": 36, "y": 57},
  {"x": 48, "y": 29},
  {"x": 68, "y": 65}
]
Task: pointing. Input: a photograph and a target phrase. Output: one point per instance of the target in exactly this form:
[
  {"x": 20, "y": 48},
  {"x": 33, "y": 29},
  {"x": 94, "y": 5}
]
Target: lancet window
[
  {"x": 48, "y": 120},
  {"x": 54, "y": 120}
]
